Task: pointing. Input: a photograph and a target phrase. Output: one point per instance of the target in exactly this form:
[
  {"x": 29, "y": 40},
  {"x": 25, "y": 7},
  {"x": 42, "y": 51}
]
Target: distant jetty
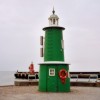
[
  {"x": 31, "y": 74},
  {"x": 27, "y": 79},
  {"x": 31, "y": 77},
  {"x": 27, "y": 75}
]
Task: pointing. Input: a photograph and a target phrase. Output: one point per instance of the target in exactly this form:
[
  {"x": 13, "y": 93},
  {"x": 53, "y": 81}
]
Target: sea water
[{"x": 6, "y": 78}]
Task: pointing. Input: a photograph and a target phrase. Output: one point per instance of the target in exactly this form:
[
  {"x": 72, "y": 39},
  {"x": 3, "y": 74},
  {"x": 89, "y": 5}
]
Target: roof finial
[{"x": 53, "y": 11}]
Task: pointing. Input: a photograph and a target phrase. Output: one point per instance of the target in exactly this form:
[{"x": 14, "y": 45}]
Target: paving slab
[{"x": 32, "y": 93}]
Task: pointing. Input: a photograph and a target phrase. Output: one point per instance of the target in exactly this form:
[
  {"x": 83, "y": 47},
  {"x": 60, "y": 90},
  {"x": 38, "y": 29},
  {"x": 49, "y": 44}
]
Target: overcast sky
[{"x": 21, "y": 23}]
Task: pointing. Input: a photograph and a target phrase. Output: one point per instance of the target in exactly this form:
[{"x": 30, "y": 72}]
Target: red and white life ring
[{"x": 63, "y": 74}]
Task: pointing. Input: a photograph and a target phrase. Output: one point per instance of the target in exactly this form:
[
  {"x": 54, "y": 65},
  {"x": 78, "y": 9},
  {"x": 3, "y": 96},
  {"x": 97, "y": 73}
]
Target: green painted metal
[
  {"x": 53, "y": 83},
  {"x": 64, "y": 87},
  {"x": 42, "y": 78},
  {"x": 52, "y": 80},
  {"x": 53, "y": 50}
]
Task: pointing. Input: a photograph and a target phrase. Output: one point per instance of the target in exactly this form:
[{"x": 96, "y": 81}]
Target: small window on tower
[
  {"x": 53, "y": 21},
  {"x": 51, "y": 72}
]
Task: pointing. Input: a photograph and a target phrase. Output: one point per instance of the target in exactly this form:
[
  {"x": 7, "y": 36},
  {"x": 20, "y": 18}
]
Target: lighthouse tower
[{"x": 54, "y": 71}]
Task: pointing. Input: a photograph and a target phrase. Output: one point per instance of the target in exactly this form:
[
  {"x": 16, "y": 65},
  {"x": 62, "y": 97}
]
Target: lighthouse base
[{"x": 51, "y": 81}]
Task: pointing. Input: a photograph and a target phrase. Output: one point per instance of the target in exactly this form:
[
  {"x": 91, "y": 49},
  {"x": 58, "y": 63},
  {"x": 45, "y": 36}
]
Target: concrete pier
[
  {"x": 32, "y": 93},
  {"x": 35, "y": 83}
]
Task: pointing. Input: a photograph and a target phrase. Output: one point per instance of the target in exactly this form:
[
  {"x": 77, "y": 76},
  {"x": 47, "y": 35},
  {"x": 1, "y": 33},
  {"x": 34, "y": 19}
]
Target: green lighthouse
[{"x": 54, "y": 72}]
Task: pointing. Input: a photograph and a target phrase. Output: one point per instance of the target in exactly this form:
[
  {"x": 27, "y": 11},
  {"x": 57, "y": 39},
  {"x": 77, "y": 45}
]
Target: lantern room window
[{"x": 53, "y": 21}]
